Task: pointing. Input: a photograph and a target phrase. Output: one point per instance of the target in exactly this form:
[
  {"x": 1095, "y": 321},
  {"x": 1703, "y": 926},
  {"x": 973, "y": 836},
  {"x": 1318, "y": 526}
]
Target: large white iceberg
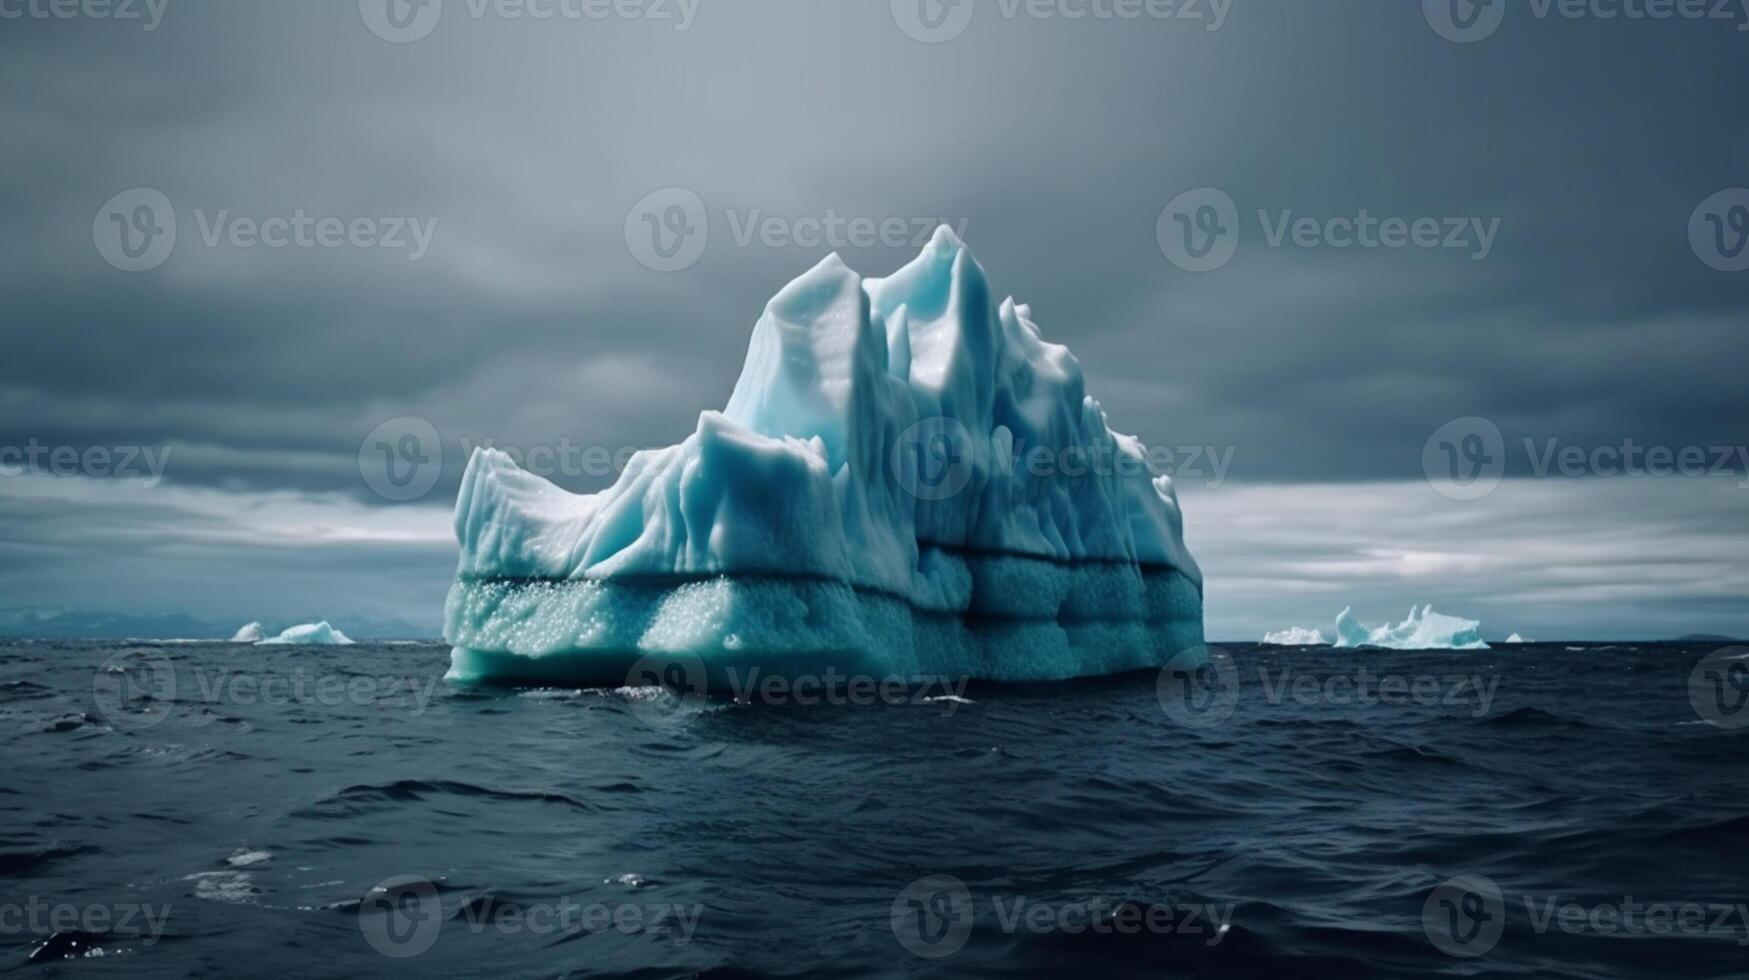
[
  {"x": 1423, "y": 630},
  {"x": 249, "y": 633},
  {"x": 309, "y": 634},
  {"x": 907, "y": 481}
]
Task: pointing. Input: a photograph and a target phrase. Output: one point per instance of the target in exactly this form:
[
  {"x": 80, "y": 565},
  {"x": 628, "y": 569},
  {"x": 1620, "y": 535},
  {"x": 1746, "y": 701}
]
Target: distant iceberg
[
  {"x": 869, "y": 501},
  {"x": 250, "y": 633},
  {"x": 1515, "y": 638},
  {"x": 1294, "y": 636},
  {"x": 1423, "y": 630},
  {"x": 310, "y": 635}
]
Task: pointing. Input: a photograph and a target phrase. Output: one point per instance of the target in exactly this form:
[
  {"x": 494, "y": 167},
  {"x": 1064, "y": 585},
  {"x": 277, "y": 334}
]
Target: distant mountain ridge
[{"x": 84, "y": 624}]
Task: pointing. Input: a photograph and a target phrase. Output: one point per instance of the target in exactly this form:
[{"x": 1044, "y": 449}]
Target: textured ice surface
[
  {"x": 1423, "y": 630},
  {"x": 907, "y": 480},
  {"x": 249, "y": 633},
  {"x": 310, "y": 634},
  {"x": 1294, "y": 636}
]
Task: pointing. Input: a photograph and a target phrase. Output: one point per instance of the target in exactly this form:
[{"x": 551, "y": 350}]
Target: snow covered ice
[
  {"x": 1294, "y": 636},
  {"x": 249, "y": 633},
  {"x": 310, "y": 634},
  {"x": 907, "y": 481},
  {"x": 1423, "y": 630}
]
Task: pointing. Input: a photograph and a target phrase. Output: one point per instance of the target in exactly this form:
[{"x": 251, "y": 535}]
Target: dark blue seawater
[{"x": 240, "y": 822}]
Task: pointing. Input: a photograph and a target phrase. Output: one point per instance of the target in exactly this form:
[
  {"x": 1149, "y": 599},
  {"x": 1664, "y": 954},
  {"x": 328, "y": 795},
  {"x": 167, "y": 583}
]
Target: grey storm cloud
[{"x": 522, "y": 144}]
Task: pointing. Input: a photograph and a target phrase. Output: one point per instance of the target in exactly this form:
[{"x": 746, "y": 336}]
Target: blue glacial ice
[
  {"x": 1423, "y": 630},
  {"x": 907, "y": 481},
  {"x": 309, "y": 634}
]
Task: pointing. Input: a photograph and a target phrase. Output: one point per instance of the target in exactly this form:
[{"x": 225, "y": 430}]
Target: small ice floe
[
  {"x": 244, "y": 858},
  {"x": 230, "y": 887}
]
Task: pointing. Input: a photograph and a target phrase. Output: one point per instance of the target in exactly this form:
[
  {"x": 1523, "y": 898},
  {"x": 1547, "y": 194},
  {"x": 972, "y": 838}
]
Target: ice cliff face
[{"x": 906, "y": 478}]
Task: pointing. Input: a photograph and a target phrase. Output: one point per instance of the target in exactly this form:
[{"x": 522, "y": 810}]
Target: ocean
[{"x": 1545, "y": 810}]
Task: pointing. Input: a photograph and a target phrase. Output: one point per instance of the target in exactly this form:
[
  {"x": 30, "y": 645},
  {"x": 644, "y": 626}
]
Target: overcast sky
[{"x": 489, "y": 266}]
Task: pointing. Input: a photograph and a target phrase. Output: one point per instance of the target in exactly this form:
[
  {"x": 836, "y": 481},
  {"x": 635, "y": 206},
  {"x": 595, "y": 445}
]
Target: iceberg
[
  {"x": 310, "y": 634},
  {"x": 1423, "y": 630},
  {"x": 907, "y": 481},
  {"x": 1294, "y": 636},
  {"x": 249, "y": 633},
  {"x": 1515, "y": 638}
]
